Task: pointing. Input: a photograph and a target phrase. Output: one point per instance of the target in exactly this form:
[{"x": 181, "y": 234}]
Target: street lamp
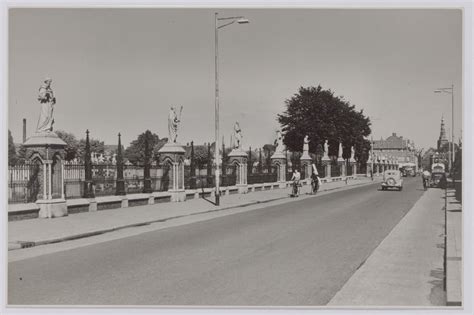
[
  {"x": 450, "y": 90},
  {"x": 231, "y": 20}
]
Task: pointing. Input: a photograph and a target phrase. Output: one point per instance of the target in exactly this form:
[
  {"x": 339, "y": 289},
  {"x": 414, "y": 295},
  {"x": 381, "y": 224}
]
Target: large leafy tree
[
  {"x": 12, "y": 157},
  {"x": 135, "y": 152},
  {"x": 72, "y": 145},
  {"x": 322, "y": 116}
]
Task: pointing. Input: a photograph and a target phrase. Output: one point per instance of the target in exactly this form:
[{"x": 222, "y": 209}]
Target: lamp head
[{"x": 243, "y": 21}]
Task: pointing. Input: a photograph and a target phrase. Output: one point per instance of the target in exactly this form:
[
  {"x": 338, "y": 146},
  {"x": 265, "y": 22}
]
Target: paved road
[{"x": 299, "y": 253}]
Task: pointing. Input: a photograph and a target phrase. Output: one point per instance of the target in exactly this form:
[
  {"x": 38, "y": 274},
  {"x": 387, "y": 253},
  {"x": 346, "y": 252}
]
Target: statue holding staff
[
  {"x": 173, "y": 124},
  {"x": 279, "y": 142},
  {"x": 47, "y": 100},
  {"x": 237, "y": 136}
]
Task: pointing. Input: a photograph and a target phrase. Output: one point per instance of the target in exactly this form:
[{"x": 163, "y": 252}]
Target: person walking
[{"x": 315, "y": 181}]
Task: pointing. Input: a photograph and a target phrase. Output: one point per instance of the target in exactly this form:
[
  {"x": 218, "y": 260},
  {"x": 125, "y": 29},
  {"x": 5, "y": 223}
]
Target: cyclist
[{"x": 296, "y": 182}]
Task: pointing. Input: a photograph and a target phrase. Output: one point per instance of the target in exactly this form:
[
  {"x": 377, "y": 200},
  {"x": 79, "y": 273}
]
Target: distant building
[{"x": 402, "y": 150}]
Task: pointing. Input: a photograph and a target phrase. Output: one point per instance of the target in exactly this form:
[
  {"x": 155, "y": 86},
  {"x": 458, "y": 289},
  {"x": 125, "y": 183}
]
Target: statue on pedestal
[
  {"x": 326, "y": 150},
  {"x": 279, "y": 142},
  {"x": 306, "y": 144},
  {"x": 47, "y": 100},
  {"x": 173, "y": 124},
  {"x": 352, "y": 154},
  {"x": 237, "y": 136}
]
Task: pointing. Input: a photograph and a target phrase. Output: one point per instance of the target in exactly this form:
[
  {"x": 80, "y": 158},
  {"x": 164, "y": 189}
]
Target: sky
[{"x": 119, "y": 70}]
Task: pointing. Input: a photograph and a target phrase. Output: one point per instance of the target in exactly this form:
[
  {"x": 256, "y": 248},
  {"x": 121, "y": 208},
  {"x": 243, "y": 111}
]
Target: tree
[
  {"x": 72, "y": 145},
  {"x": 322, "y": 116},
  {"x": 12, "y": 157},
  {"x": 96, "y": 146},
  {"x": 135, "y": 152}
]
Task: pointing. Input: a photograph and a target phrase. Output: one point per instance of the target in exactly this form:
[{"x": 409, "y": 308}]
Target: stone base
[
  {"x": 177, "y": 195},
  {"x": 278, "y": 155},
  {"x": 171, "y": 147},
  {"x": 305, "y": 156},
  {"x": 44, "y": 138},
  {"x": 237, "y": 153},
  {"x": 243, "y": 188},
  {"x": 53, "y": 208}
]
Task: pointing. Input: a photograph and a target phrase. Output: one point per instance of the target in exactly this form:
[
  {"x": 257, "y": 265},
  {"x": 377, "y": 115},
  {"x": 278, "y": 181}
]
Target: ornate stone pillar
[
  {"x": 279, "y": 161},
  {"x": 341, "y": 162},
  {"x": 305, "y": 160},
  {"x": 46, "y": 147},
  {"x": 238, "y": 157},
  {"x": 173, "y": 154}
]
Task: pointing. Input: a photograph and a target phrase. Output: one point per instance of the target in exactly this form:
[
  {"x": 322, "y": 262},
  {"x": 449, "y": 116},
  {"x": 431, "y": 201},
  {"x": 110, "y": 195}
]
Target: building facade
[{"x": 396, "y": 148}]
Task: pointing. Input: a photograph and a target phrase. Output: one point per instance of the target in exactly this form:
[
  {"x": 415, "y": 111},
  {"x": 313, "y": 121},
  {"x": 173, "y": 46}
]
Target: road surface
[{"x": 293, "y": 254}]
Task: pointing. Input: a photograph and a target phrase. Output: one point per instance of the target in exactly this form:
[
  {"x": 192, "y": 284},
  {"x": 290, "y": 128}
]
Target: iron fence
[
  {"x": 24, "y": 182},
  {"x": 348, "y": 168},
  {"x": 335, "y": 170}
]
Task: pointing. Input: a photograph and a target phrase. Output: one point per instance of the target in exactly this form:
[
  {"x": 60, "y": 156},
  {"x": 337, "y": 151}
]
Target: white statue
[
  {"x": 326, "y": 148},
  {"x": 237, "y": 136},
  {"x": 114, "y": 158},
  {"x": 339, "y": 153},
  {"x": 47, "y": 100},
  {"x": 306, "y": 144},
  {"x": 352, "y": 152},
  {"x": 279, "y": 142},
  {"x": 173, "y": 124}
]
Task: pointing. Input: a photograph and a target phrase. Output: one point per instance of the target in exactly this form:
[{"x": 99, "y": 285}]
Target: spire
[{"x": 442, "y": 135}]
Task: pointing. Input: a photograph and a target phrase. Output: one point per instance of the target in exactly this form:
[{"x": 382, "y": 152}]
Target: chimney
[
  {"x": 394, "y": 134},
  {"x": 24, "y": 130}
]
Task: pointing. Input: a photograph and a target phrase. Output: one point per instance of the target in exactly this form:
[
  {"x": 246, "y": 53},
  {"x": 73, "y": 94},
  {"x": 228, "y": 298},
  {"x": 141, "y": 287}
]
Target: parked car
[{"x": 392, "y": 179}]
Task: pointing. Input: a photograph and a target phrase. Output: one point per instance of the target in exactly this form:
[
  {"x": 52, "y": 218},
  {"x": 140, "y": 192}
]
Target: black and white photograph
[{"x": 306, "y": 157}]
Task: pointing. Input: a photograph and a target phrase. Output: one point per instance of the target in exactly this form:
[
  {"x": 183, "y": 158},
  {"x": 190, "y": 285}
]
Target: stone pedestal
[
  {"x": 279, "y": 161},
  {"x": 172, "y": 155},
  {"x": 354, "y": 168},
  {"x": 47, "y": 150},
  {"x": 342, "y": 165},
  {"x": 326, "y": 161},
  {"x": 238, "y": 158},
  {"x": 305, "y": 161}
]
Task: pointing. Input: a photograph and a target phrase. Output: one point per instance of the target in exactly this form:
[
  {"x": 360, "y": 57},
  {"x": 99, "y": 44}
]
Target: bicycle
[{"x": 295, "y": 189}]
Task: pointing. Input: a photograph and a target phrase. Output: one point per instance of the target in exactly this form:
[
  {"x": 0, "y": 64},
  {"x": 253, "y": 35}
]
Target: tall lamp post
[
  {"x": 230, "y": 20},
  {"x": 450, "y": 90}
]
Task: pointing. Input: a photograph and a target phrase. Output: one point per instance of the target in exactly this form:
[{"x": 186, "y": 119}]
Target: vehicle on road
[
  {"x": 438, "y": 175},
  {"x": 392, "y": 179}
]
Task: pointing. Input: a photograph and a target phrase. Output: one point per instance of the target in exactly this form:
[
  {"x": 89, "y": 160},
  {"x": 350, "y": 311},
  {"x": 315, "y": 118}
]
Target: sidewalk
[
  {"x": 34, "y": 232},
  {"x": 406, "y": 269},
  {"x": 454, "y": 251}
]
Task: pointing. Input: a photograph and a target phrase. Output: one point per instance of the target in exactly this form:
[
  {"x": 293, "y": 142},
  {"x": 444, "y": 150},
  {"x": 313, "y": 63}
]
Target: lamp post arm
[
  {"x": 230, "y": 18},
  {"x": 224, "y": 25}
]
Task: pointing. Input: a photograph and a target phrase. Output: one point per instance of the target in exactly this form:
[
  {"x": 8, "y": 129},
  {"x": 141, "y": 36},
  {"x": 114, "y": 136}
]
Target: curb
[{"x": 28, "y": 244}]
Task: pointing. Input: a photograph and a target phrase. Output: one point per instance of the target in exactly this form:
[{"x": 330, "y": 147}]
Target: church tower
[{"x": 442, "y": 136}]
